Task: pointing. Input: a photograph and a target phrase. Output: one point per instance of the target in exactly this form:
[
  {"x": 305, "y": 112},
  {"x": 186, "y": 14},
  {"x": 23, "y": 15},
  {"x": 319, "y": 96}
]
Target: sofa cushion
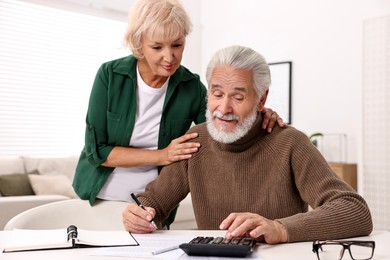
[
  {"x": 10, "y": 165},
  {"x": 52, "y": 184},
  {"x": 17, "y": 184},
  {"x": 52, "y": 166}
]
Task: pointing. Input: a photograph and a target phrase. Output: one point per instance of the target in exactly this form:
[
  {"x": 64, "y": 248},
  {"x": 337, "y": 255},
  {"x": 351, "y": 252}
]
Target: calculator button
[
  {"x": 206, "y": 240},
  {"x": 235, "y": 241},
  {"x": 246, "y": 241},
  {"x": 217, "y": 240},
  {"x": 226, "y": 241},
  {"x": 196, "y": 240}
]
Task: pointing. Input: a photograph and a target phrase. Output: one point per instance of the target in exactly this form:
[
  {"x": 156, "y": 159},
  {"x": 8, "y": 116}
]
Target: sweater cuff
[{"x": 295, "y": 227}]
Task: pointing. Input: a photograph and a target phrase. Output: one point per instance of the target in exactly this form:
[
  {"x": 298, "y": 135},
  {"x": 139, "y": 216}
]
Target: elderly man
[{"x": 247, "y": 182}]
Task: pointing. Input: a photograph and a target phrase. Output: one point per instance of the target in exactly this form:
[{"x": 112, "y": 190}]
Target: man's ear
[{"x": 261, "y": 104}]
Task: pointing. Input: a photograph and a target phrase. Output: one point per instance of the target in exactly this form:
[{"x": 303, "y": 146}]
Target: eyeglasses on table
[{"x": 335, "y": 249}]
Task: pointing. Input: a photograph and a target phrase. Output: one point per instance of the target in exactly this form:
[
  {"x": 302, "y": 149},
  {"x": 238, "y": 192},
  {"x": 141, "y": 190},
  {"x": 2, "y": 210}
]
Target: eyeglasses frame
[{"x": 346, "y": 245}]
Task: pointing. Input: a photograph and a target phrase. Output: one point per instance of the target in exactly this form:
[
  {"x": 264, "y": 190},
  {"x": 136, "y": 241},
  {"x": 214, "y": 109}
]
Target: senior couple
[{"x": 250, "y": 182}]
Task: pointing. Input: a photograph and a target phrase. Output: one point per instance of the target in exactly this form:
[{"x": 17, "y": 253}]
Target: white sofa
[{"x": 51, "y": 180}]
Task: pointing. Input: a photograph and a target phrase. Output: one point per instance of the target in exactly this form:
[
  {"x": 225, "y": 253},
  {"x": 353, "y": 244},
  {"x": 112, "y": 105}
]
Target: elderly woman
[{"x": 141, "y": 106}]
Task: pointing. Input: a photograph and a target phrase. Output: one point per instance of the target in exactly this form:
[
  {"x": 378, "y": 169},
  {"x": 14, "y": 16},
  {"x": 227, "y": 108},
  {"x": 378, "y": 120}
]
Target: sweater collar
[{"x": 246, "y": 141}]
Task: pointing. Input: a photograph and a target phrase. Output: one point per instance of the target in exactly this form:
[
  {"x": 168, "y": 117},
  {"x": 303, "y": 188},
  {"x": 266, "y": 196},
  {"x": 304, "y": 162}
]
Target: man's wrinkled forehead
[
  {"x": 224, "y": 77},
  {"x": 216, "y": 86}
]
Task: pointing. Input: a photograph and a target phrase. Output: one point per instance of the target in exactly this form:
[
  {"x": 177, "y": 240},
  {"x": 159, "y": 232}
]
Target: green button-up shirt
[{"x": 111, "y": 117}]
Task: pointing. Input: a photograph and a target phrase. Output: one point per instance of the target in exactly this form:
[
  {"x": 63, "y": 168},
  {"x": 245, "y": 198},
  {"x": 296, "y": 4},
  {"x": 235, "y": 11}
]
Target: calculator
[{"x": 219, "y": 246}]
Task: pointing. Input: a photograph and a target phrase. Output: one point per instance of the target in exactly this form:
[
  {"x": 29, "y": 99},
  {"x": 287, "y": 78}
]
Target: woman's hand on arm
[
  {"x": 270, "y": 117},
  {"x": 178, "y": 149},
  {"x": 255, "y": 226}
]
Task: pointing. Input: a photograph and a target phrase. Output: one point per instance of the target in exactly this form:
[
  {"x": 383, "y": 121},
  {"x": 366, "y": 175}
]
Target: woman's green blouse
[{"x": 111, "y": 116}]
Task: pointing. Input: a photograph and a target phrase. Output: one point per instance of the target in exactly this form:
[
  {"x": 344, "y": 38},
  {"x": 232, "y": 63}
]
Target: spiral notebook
[{"x": 72, "y": 237}]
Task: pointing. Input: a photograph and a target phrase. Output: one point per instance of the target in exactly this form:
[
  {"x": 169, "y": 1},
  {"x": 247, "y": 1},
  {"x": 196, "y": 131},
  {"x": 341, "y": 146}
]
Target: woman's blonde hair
[{"x": 158, "y": 19}]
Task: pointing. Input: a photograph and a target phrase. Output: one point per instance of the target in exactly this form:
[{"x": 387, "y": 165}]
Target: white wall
[
  {"x": 376, "y": 119},
  {"x": 323, "y": 39},
  {"x": 192, "y": 55}
]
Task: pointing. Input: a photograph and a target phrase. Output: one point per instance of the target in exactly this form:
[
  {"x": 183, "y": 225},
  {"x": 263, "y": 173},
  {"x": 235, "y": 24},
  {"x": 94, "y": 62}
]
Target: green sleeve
[{"x": 96, "y": 136}]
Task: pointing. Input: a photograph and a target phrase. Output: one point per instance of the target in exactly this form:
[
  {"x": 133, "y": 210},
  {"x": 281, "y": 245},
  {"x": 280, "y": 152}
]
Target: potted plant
[{"x": 314, "y": 138}]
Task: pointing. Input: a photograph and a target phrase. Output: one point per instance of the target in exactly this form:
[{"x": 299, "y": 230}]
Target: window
[{"x": 48, "y": 61}]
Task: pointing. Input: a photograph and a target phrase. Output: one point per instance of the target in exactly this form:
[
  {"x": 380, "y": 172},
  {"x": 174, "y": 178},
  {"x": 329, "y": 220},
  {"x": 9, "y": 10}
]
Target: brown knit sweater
[{"x": 276, "y": 175}]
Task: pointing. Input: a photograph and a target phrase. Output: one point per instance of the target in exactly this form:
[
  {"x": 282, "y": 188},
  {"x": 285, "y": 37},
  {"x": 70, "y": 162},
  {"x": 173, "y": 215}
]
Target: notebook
[{"x": 72, "y": 237}]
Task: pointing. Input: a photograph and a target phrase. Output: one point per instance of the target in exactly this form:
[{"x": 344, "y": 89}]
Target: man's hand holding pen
[{"x": 138, "y": 219}]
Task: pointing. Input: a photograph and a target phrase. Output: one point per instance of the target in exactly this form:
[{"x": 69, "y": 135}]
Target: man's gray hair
[{"x": 243, "y": 58}]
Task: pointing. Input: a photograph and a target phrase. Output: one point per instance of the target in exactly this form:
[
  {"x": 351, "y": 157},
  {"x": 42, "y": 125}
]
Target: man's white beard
[{"x": 221, "y": 135}]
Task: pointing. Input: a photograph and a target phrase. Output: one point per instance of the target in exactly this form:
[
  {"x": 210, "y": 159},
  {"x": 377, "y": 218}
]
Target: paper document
[{"x": 148, "y": 243}]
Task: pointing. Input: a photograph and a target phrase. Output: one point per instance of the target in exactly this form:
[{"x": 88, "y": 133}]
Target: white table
[{"x": 300, "y": 251}]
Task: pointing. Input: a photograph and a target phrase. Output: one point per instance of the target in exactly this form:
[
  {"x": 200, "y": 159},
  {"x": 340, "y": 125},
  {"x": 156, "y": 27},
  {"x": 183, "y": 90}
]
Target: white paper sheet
[{"x": 148, "y": 244}]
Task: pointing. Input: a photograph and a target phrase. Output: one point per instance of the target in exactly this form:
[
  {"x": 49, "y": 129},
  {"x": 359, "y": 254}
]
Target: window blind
[{"x": 48, "y": 61}]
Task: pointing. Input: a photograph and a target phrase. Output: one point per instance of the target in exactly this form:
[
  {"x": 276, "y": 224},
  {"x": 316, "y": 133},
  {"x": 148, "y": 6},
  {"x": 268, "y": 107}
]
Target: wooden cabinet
[{"x": 347, "y": 172}]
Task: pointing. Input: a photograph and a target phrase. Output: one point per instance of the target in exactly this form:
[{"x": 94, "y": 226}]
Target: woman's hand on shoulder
[
  {"x": 180, "y": 149},
  {"x": 270, "y": 118}
]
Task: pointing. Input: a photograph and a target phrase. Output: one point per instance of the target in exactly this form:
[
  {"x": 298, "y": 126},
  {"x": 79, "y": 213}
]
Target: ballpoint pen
[
  {"x": 142, "y": 206},
  {"x": 163, "y": 250}
]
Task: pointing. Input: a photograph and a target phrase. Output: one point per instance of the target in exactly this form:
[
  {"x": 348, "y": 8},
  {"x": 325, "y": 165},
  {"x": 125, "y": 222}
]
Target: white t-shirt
[{"x": 123, "y": 181}]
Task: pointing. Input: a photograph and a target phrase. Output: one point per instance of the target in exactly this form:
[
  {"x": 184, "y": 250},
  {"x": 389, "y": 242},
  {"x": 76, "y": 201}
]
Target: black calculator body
[{"x": 219, "y": 246}]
